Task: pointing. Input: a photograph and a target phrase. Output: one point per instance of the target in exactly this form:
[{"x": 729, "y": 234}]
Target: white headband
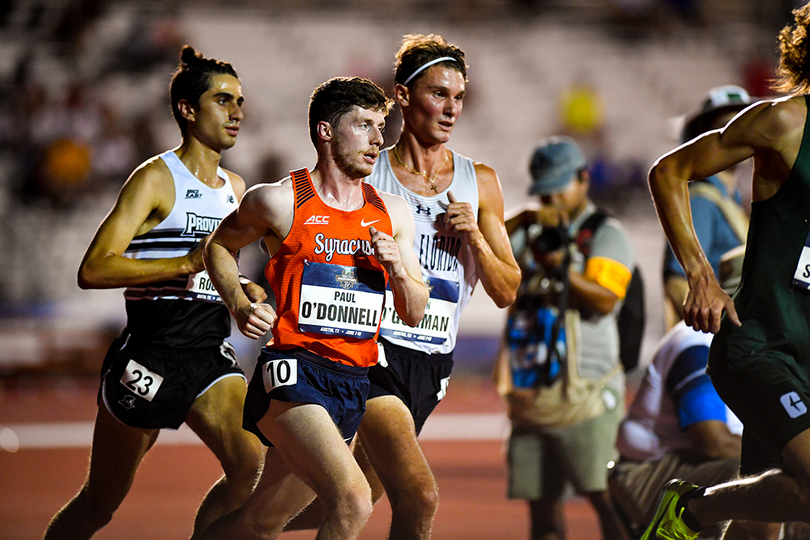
[{"x": 427, "y": 65}]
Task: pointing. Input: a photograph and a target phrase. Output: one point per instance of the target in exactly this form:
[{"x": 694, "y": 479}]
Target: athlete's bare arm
[
  {"x": 397, "y": 256},
  {"x": 770, "y": 132},
  {"x": 264, "y": 212},
  {"x": 144, "y": 201},
  {"x": 494, "y": 260}
]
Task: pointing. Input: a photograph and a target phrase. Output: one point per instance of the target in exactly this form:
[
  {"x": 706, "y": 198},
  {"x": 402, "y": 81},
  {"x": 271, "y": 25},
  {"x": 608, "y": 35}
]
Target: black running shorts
[
  {"x": 419, "y": 379},
  {"x": 154, "y": 388}
]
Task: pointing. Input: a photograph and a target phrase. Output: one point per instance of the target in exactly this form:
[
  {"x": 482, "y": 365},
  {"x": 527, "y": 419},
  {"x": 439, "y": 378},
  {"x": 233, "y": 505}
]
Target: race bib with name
[
  {"x": 340, "y": 300},
  {"x": 801, "y": 278},
  {"x": 201, "y": 288},
  {"x": 280, "y": 372},
  {"x": 435, "y": 326},
  {"x": 141, "y": 381}
]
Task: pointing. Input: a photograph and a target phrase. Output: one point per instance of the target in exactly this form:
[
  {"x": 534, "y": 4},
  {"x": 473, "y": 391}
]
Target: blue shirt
[{"x": 713, "y": 231}]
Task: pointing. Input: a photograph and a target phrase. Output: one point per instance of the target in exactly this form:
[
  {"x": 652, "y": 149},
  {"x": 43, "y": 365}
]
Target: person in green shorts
[{"x": 760, "y": 357}]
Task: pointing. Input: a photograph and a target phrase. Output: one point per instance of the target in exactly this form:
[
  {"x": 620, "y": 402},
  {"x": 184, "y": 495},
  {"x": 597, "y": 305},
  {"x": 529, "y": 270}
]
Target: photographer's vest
[
  {"x": 185, "y": 311},
  {"x": 543, "y": 373},
  {"x": 448, "y": 266},
  {"x": 328, "y": 285}
]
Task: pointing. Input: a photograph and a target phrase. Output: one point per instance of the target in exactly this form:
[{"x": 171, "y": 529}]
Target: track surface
[{"x": 38, "y": 479}]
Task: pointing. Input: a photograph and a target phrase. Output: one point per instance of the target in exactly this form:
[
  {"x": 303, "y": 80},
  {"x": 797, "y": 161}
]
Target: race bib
[
  {"x": 280, "y": 372},
  {"x": 801, "y": 278},
  {"x": 340, "y": 300},
  {"x": 200, "y": 288},
  {"x": 141, "y": 381},
  {"x": 435, "y": 326}
]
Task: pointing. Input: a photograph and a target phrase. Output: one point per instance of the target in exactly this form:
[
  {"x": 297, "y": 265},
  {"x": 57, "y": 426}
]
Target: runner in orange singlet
[{"x": 334, "y": 244}]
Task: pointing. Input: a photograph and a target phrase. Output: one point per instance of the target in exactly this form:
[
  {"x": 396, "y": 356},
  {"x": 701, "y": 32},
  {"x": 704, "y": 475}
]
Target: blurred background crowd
[{"x": 84, "y": 99}]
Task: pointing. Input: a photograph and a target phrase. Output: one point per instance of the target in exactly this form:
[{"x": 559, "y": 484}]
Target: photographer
[{"x": 559, "y": 368}]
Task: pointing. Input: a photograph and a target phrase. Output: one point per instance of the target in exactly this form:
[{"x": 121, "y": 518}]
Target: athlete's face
[
  {"x": 431, "y": 106},
  {"x": 571, "y": 200},
  {"x": 217, "y": 118},
  {"x": 356, "y": 141}
]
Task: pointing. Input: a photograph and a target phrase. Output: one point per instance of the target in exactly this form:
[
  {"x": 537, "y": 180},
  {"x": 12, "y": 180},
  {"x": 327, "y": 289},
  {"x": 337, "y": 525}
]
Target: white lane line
[{"x": 439, "y": 427}]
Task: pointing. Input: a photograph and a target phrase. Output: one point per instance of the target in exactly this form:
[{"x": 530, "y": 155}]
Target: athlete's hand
[
  {"x": 460, "y": 217},
  {"x": 705, "y": 303},
  {"x": 254, "y": 320},
  {"x": 386, "y": 251},
  {"x": 194, "y": 258},
  {"x": 254, "y": 292}
]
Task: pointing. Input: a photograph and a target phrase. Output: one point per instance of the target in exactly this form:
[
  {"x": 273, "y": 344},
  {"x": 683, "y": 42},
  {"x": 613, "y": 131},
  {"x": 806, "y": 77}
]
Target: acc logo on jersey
[{"x": 317, "y": 220}]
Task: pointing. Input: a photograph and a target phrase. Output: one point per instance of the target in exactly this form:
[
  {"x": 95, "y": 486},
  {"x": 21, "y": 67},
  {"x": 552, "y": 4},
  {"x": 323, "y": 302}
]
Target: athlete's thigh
[
  {"x": 388, "y": 436},
  {"x": 278, "y": 497},
  {"x": 116, "y": 453},
  {"x": 360, "y": 455},
  {"x": 216, "y": 417},
  {"x": 796, "y": 455},
  {"x": 311, "y": 445}
]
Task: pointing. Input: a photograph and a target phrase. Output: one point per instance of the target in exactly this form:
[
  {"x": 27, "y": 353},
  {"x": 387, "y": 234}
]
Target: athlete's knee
[
  {"x": 420, "y": 500},
  {"x": 243, "y": 471},
  {"x": 353, "y": 507}
]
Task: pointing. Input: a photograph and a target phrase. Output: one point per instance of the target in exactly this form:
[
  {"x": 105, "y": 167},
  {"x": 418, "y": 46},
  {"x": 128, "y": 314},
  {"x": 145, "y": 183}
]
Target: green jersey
[{"x": 773, "y": 300}]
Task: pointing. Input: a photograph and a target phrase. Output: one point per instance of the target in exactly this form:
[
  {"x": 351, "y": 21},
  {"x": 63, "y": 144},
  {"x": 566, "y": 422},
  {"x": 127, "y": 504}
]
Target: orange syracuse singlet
[{"x": 329, "y": 287}]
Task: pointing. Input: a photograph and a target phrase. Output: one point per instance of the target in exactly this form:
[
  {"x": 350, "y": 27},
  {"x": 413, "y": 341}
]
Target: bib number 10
[{"x": 281, "y": 372}]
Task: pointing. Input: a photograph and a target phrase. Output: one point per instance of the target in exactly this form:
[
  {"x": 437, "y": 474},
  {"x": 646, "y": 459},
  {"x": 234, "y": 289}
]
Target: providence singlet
[
  {"x": 448, "y": 266},
  {"x": 329, "y": 287},
  {"x": 186, "y": 311},
  {"x": 773, "y": 298}
]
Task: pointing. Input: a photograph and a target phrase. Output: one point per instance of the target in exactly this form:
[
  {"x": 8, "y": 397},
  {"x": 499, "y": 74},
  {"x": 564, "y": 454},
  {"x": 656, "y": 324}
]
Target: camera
[{"x": 550, "y": 239}]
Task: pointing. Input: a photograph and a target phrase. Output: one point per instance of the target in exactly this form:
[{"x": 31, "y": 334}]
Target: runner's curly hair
[{"x": 793, "y": 72}]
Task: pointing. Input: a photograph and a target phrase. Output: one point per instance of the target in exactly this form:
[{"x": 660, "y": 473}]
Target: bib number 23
[
  {"x": 281, "y": 372},
  {"x": 141, "y": 381}
]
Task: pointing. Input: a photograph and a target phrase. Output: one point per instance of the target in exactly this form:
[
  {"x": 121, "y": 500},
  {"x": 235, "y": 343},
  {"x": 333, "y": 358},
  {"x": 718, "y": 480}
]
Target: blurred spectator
[
  {"x": 150, "y": 42},
  {"x": 676, "y": 427},
  {"x": 115, "y": 153},
  {"x": 76, "y": 18}
]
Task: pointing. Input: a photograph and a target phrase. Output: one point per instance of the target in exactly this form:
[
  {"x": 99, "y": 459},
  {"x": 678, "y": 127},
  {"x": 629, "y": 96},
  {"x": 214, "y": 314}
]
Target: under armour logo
[
  {"x": 420, "y": 209},
  {"x": 793, "y": 404},
  {"x": 128, "y": 402}
]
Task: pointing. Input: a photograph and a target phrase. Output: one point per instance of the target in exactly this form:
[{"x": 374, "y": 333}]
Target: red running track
[{"x": 35, "y": 483}]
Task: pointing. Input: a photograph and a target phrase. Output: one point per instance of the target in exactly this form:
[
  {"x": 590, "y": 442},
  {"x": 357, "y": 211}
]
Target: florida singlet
[
  {"x": 185, "y": 311},
  {"x": 448, "y": 267},
  {"x": 329, "y": 287}
]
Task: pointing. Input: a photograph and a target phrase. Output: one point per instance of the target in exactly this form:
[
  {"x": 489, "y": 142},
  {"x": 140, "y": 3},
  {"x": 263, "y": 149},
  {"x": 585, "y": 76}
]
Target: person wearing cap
[
  {"x": 759, "y": 360},
  {"x": 559, "y": 367},
  {"x": 677, "y": 425},
  {"x": 460, "y": 239},
  {"x": 720, "y": 221}
]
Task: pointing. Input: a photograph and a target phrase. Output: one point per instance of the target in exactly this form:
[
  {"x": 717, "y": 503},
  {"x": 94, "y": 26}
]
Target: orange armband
[{"x": 608, "y": 273}]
